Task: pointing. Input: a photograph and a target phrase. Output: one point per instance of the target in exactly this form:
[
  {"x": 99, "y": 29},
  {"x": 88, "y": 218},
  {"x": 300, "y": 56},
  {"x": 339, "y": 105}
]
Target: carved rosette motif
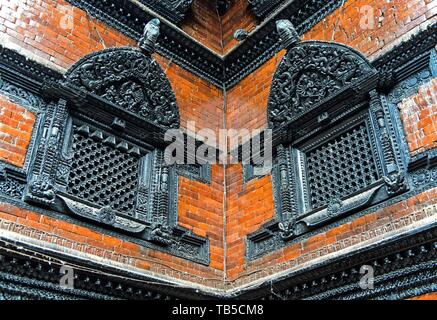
[
  {"x": 310, "y": 73},
  {"x": 131, "y": 80}
]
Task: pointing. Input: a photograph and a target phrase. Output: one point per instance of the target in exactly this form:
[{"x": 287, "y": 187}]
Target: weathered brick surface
[
  {"x": 204, "y": 25},
  {"x": 372, "y": 27},
  {"x": 247, "y": 102},
  {"x": 419, "y": 117},
  {"x": 54, "y": 31},
  {"x": 201, "y": 210},
  {"x": 16, "y": 126},
  {"x": 248, "y": 208},
  {"x": 239, "y": 16},
  {"x": 197, "y": 100}
]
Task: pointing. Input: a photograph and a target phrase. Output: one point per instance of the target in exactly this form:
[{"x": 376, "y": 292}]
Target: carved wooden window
[
  {"x": 340, "y": 166},
  {"x": 101, "y": 152},
  {"x": 333, "y": 135},
  {"x": 103, "y": 171}
]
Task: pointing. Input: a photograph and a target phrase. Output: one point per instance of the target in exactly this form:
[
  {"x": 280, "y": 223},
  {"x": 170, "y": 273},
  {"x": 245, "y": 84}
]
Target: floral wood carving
[
  {"x": 309, "y": 73},
  {"x": 130, "y": 79}
]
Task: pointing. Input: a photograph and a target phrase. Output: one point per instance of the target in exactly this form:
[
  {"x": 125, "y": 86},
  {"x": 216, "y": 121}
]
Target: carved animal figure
[
  {"x": 287, "y": 32},
  {"x": 150, "y": 36}
]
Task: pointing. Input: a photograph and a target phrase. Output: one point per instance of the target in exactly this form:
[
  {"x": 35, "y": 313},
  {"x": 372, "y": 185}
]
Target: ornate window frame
[
  {"x": 321, "y": 90},
  {"x": 115, "y": 102}
]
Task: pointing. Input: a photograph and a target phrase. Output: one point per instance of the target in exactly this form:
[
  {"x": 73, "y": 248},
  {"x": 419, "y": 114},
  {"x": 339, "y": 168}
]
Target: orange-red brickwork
[
  {"x": 425, "y": 297},
  {"x": 247, "y": 101},
  {"x": 197, "y": 100},
  {"x": 16, "y": 126},
  {"x": 419, "y": 117},
  {"x": 239, "y": 16},
  {"x": 201, "y": 210},
  {"x": 249, "y": 206},
  {"x": 54, "y": 31},
  {"x": 204, "y": 25},
  {"x": 372, "y": 27}
]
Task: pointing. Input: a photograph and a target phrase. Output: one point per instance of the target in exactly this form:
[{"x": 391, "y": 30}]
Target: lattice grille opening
[
  {"x": 341, "y": 167},
  {"x": 103, "y": 174}
]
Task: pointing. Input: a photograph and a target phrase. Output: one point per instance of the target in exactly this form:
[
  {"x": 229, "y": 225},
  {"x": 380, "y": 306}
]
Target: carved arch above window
[
  {"x": 313, "y": 73},
  {"x": 130, "y": 79}
]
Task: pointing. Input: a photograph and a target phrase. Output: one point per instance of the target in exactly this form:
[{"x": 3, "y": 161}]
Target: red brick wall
[
  {"x": 201, "y": 210},
  {"x": 419, "y": 116},
  {"x": 197, "y": 100},
  {"x": 16, "y": 126},
  {"x": 249, "y": 206},
  {"x": 239, "y": 16},
  {"x": 247, "y": 101},
  {"x": 44, "y": 29},
  {"x": 204, "y": 25},
  {"x": 391, "y": 21}
]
